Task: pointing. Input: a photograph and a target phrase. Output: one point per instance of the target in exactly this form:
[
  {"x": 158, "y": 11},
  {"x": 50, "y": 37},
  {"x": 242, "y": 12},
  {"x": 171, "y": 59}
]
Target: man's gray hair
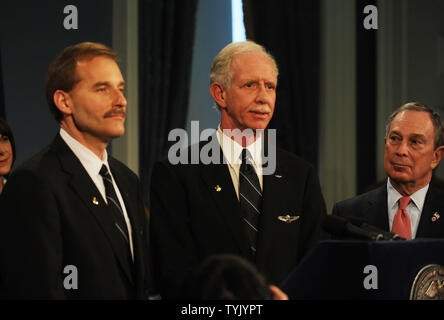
[
  {"x": 418, "y": 106},
  {"x": 221, "y": 66}
]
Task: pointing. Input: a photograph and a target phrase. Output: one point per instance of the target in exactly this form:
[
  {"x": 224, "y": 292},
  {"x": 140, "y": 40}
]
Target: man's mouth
[
  {"x": 400, "y": 165},
  {"x": 260, "y": 112},
  {"x": 115, "y": 114}
]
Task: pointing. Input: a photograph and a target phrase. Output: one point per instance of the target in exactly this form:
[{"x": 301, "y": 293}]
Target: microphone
[
  {"x": 362, "y": 223},
  {"x": 341, "y": 227}
]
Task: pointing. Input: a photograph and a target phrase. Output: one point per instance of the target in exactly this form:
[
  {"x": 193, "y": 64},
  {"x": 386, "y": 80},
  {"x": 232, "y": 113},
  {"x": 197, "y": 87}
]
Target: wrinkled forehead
[
  {"x": 253, "y": 63},
  {"x": 412, "y": 118},
  {"x": 413, "y": 122}
]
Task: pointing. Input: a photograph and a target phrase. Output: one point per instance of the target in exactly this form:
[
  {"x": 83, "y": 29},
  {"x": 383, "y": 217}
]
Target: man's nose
[
  {"x": 119, "y": 99},
  {"x": 402, "y": 149},
  {"x": 263, "y": 95}
]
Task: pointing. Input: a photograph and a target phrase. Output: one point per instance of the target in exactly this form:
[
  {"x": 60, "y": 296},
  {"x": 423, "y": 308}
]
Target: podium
[{"x": 335, "y": 269}]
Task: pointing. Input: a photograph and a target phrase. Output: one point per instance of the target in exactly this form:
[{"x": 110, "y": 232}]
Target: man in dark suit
[
  {"x": 410, "y": 203},
  {"x": 235, "y": 204},
  {"x": 73, "y": 223}
]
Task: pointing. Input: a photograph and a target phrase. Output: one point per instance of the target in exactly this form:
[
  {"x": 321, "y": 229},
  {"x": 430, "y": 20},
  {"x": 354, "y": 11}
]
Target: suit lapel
[
  {"x": 218, "y": 180},
  {"x": 87, "y": 192},
  {"x": 430, "y": 224},
  {"x": 271, "y": 209},
  {"x": 377, "y": 212}
]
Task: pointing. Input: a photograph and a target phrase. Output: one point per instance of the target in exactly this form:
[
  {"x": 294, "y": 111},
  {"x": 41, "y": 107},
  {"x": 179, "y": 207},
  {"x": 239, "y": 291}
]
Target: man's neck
[
  {"x": 244, "y": 137},
  {"x": 409, "y": 188},
  {"x": 87, "y": 140}
]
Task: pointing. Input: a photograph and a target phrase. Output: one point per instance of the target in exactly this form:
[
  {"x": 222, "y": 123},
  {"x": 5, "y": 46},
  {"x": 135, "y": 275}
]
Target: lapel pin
[
  {"x": 288, "y": 218},
  {"x": 436, "y": 216},
  {"x": 278, "y": 176},
  {"x": 217, "y": 188},
  {"x": 95, "y": 201}
]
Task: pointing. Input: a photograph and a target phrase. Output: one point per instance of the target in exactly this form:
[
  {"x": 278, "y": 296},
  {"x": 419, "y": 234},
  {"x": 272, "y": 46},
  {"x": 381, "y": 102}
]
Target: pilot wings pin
[{"x": 288, "y": 218}]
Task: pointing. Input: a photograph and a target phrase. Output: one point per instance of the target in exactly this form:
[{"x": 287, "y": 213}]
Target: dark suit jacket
[
  {"x": 50, "y": 220},
  {"x": 195, "y": 213},
  {"x": 372, "y": 206}
]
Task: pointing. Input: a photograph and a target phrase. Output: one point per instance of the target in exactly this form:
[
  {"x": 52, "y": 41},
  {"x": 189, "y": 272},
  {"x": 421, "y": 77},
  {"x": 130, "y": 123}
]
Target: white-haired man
[{"x": 235, "y": 206}]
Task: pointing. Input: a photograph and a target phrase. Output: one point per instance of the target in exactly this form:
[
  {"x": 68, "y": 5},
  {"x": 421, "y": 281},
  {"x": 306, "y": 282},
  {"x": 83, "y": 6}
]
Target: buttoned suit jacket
[
  {"x": 195, "y": 213},
  {"x": 372, "y": 207},
  {"x": 54, "y": 218}
]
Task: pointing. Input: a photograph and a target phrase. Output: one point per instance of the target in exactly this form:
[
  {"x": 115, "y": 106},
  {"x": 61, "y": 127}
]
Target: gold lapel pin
[
  {"x": 288, "y": 218},
  {"x": 436, "y": 216},
  {"x": 95, "y": 201},
  {"x": 278, "y": 176},
  {"x": 217, "y": 188}
]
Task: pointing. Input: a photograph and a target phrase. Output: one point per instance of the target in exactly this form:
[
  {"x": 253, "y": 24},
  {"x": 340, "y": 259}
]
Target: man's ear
[
  {"x": 63, "y": 102},
  {"x": 437, "y": 156},
  {"x": 217, "y": 91}
]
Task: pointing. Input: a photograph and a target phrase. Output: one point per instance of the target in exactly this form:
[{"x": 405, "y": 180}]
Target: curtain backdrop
[
  {"x": 166, "y": 36},
  {"x": 365, "y": 101},
  {"x": 290, "y": 31}
]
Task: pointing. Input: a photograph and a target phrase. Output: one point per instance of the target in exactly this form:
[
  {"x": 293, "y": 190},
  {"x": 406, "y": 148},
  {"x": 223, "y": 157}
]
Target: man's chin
[
  {"x": 114, "y": 134},
  {"x": 400, "y": 178},
  {"x": 258, "y": 125}
]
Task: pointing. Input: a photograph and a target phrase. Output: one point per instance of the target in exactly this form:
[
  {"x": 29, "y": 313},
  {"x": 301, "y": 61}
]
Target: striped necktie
[
  {"x": 113, "y": 203},
  {"x": 250, "y": 198}
]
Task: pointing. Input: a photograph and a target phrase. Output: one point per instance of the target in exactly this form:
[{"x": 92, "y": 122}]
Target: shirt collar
[
  {"x": 90, "y": 161},
  {"x": 418, "y": 198},
  {"x": 232, "y": 150}
]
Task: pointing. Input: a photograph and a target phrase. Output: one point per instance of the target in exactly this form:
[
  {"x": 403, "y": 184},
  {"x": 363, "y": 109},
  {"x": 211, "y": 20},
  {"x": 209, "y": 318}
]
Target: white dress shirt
[
  {"x": 414, "y": 208},
  {"x": 92, "y": 164},
  {"x": 232, "y": 152}
]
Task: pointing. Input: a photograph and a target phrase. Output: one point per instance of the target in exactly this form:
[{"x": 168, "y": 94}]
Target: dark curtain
[
  {"x": 290, "y": 31},
  {"x": 166, "y": 36},
  {"x": 365, "y": 101},
  {"x": 2, "y": 94}
]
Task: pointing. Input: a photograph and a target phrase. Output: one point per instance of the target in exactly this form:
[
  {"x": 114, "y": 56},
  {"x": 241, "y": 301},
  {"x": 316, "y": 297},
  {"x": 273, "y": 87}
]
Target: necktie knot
[
  {"x": 104, "y": 171},
  {"x": 247, "y": 162},
  {"x": 246, "y": 156},
  {"x": 404, "y": 202}
]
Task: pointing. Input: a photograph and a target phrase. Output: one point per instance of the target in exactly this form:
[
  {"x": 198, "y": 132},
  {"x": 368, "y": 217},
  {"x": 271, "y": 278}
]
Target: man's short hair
[
  {"x": 221, "y": 66},
  {"x": 418, "y": 106},
  {"x": 5, "y": 130},
  {"x": 62, "y": 71}
]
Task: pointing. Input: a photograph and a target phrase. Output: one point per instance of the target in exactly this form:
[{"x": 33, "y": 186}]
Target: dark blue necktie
[
  {"x": 250, "y": 198},
  {"x": 113, "y": 203}
]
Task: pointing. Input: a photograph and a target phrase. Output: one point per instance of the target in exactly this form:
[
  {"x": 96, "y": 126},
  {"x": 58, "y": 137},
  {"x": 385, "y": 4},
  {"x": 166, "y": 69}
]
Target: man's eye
[
  {"x": 4, "y": 138},
  {"x": 417, "y": 141},
  {"x": 249, "y": 84}
]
